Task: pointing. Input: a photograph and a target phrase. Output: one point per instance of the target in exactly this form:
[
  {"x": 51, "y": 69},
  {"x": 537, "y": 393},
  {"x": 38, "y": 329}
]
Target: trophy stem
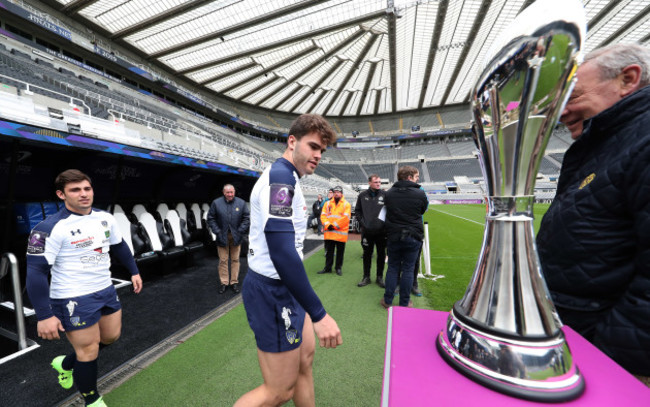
[{"x": 504, "y": 332}]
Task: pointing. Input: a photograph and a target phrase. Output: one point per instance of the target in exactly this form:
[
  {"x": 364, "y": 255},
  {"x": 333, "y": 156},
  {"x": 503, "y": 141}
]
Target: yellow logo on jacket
[{"x": 587, "y": 180}]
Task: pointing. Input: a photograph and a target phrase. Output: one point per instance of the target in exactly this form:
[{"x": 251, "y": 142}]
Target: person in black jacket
[
  {"x": 229, "y": 219},
  {"x": 594, "y": 240},
  {"x": 315, "y": 214},
  {"x": 373, "y": 230},
  {"x": 405, "y": 204}
]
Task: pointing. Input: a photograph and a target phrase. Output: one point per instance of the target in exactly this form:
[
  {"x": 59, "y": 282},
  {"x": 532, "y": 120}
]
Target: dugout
[{"x": 31, "y": 157}]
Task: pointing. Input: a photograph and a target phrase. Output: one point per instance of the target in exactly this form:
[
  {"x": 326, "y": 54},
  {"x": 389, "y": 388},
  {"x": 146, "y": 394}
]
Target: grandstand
[{"x": 162, "y": 113}]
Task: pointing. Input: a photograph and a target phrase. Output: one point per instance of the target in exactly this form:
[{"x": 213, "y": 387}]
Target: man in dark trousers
[
  {"x": 315, "y": 214},
  {"x": 229, "y": 219},
  {"x": 373, "y": 230},
  {"x": 405, "y": 204}
]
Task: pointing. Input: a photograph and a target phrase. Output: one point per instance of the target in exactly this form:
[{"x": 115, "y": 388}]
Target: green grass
[{"x": 219, "y": 364}]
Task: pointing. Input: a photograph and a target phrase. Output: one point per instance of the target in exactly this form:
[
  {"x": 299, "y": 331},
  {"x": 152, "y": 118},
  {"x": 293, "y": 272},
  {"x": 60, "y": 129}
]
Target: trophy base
[{"x": 541, "y": 370}]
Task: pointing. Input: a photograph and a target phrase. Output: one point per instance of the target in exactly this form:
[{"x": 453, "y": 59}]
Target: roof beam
[
  {"x": 366, "y": 87},
  {"x": 392, "y": 54},
  {"x": 290, "y": 40},
  {"x": 258, "y": 87},
  {"x": 238, "y": 27},
  {"x": 433, "y": 49},
  {"x": 271, "y": 68},
  {"x": 478, "y": 22},
  {"x": 603, "y": 13},
  {"x": 354, "y": 37},
  {"x": 634, "y": 20},
  {"x": 347, "y": 102},
  {"x": 159, "y": 18},
  {"x": 231, "y": 72},
  {"x": 319, "y": 82},
  {"x": 74, "y": 7},
  {"x": 356, "y": 64}
]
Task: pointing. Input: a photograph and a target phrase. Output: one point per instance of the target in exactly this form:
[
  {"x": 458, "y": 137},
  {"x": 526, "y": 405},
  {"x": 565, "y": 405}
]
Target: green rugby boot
[
  {"x": 65, "y": 376},
  {"x": 98, "y": 403}
]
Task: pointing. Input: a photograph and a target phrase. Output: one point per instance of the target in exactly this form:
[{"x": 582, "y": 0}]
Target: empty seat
[
  {"x": 151, "y": 226},
  {"x": 137, "y": 240},
  {"x": 180, "y": 234}
]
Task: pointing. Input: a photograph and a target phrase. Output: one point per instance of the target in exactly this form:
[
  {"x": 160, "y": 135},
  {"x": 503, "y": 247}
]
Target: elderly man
[
  {"x": 335, "y": 217},
  {"x": 594, "y": 241},
  {"x": 229, "y": 219}
]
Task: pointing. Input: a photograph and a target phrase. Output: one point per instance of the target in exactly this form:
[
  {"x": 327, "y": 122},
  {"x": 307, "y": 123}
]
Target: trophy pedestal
[{"x": 415, "y": 374}]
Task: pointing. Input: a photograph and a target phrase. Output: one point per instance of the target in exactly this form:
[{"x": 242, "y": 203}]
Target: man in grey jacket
[{"x": 229, "y": 219}]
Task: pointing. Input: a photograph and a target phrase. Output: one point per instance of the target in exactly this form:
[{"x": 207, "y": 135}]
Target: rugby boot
[
  {"x": 65, "y": 376},
  {"x": 98, "y": 403}
]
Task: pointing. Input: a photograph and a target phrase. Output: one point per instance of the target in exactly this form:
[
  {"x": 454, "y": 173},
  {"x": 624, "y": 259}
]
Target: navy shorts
[
  {"x": 273, "y": 314},
  {"x": 85, "y": 311}
]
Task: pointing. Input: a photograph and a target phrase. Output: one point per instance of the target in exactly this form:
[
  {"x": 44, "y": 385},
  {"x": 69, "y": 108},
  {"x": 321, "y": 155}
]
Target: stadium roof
[{"x": 333, "y": 57}]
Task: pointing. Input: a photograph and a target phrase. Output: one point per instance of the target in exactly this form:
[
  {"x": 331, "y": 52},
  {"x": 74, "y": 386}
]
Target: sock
[
  {"x": 69, "y": 361},
  {"x": 85, "y": 377}
]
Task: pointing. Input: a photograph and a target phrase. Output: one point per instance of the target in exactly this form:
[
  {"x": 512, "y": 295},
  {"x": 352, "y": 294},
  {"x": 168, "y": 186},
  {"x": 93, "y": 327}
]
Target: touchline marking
[{"x": 459, "y": 217}]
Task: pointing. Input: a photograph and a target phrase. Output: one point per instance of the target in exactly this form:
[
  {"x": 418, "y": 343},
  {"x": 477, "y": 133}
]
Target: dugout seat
[
  {"x": 137, "y": 239},
  {"x": 209, "y": 236},
  {"x": 181, "y": 236},
  {"x": 152, "y": 227}
]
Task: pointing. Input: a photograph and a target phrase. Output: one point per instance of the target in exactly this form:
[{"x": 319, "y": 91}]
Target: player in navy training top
[
  {"x": 282, "y": 308},
  {"x": 73, "y": 245}
]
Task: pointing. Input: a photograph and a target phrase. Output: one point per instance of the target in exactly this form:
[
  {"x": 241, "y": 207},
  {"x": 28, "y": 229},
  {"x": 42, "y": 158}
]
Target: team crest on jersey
[
  {"x": 36, "y": 242},
  {"x": 587, "y": 180},
  {"x": 104, "y": 223},
  {"x": 292, "y": 336},
  {"x": 281, "y": 200},
  {"x": 76, "y": 321}
]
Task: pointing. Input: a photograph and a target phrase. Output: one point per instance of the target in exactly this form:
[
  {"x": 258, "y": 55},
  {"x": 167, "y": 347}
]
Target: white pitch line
[{"x": 459, "y": 217}]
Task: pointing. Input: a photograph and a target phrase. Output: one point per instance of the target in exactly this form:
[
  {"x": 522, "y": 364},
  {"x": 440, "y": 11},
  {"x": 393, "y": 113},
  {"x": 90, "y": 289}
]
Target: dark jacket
[
  {"x": 369, "y": 204},
  {"x": 594, "y": 241},
  {"x": 405, "y": 204},
  {"x": 231, "y": 216},
  {"x": 316, "y": 208}
]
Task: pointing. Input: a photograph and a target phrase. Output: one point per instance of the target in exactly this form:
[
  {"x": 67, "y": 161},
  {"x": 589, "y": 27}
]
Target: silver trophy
[{"x": 505, "y": 333}]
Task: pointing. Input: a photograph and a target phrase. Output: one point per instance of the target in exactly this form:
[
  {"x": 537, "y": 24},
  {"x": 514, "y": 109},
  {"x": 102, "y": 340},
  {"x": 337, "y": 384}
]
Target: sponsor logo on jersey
[
  {"x": 85, "y": 242},
  {"x": 36, "y": 242},
  {"x": 74, "y": 232}
]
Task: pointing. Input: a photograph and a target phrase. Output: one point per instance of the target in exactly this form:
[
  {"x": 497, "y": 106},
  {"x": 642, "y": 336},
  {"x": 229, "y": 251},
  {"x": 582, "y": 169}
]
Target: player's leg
[
  {"x": 86, "y": 346},
  {"x": 303, "y": 395},
  {"x": 280, "y": 372},
  {"x": 110, "y": 327}
]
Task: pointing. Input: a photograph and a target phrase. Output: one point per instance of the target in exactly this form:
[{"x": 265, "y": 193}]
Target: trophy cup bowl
[{"x": 505, "y": 333}]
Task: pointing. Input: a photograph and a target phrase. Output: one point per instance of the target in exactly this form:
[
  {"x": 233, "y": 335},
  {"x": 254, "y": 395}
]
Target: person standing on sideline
[
  {"x": 373, "y": 230},
  {"x": 282, "y": 308},
  {"x": 405, "y": 204},
  {"x": 229, "y": 219},
  {"x": 73, "y": 245},
  {"x": 336, "y": 223},
  {"x": 594, "y": 240},
  {"x": 315, "y": 214}
]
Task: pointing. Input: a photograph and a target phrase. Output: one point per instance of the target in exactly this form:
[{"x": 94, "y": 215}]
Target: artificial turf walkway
[{"x": 219, "y": 364}]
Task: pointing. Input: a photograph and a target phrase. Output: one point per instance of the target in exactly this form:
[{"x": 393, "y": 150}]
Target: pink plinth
[{"x": 415, "y": 374}]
